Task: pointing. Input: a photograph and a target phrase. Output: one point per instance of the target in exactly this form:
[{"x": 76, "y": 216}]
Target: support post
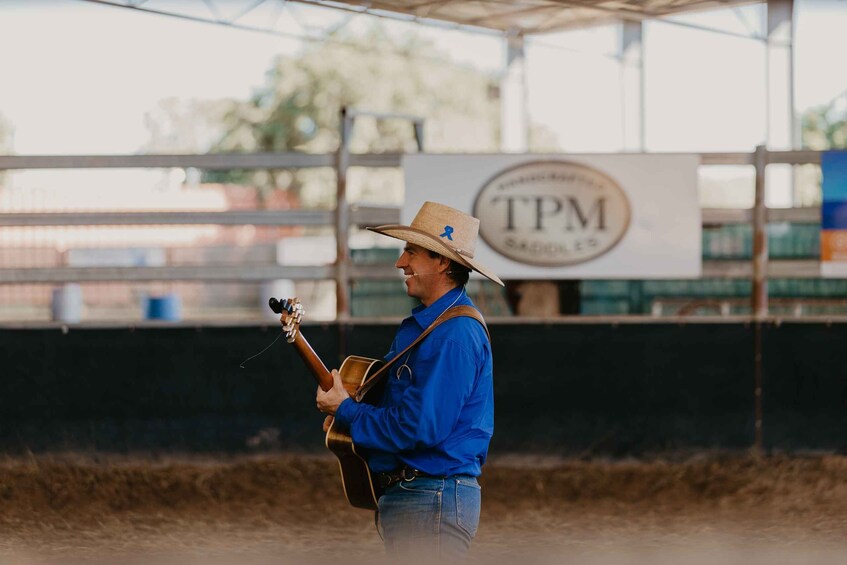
[
  {"x": 760, "y": 238},
  {"x": 347, "y": 117},
  {"x": 418, "y": 126},
  {"x": 342, "y": 221},
  {"x": 759, "y": 289},
  {"x": 632, "y": 85},
  {"x": 513, "y": 108},
  {"x": 781, "y": 123}
]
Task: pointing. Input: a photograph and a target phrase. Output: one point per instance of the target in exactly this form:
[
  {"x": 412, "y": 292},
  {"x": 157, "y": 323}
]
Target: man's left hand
[{"x": 329, "y": 401}]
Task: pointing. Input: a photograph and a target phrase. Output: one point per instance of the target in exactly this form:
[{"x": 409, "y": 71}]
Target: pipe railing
[{"x": 343, "y": 217}]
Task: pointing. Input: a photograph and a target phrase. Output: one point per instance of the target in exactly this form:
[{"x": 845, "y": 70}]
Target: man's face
[{"x": 423, "y": 272}]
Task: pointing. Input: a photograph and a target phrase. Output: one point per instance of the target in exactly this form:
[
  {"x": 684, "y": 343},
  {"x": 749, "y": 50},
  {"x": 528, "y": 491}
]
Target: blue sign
[{"x": 834, "y": 214}]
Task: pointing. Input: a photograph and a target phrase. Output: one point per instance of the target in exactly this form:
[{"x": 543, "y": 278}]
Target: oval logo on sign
[{"x": 552, "y": 213}]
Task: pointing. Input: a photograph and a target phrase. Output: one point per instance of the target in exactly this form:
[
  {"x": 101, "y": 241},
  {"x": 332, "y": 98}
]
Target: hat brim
[{"x": 427, "y": 241}]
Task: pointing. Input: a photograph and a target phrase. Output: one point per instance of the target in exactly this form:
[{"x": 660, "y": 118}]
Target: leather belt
[{"x": 406, "y": 474}]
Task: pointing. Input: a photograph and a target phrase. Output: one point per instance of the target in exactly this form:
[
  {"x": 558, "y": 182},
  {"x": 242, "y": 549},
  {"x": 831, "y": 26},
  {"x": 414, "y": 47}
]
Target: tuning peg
[
  {"x": 274, "y": 305},
  {"x": 290, "y": 329}
]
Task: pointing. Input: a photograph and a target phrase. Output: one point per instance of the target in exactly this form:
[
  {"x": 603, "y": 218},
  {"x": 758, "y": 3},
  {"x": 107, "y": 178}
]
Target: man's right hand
[{"x": 327, "y": 423}]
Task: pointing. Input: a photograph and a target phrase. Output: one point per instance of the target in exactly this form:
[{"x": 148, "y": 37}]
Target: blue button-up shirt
[{"x": 437, "y": 412}]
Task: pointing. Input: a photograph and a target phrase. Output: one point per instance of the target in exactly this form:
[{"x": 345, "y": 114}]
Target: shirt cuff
[{"x": 347, "y": 411}]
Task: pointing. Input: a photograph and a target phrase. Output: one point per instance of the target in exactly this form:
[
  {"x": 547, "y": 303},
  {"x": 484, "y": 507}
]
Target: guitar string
[
  {"x": 281, "y": 333},
  {"x": 406, "y": 362}
]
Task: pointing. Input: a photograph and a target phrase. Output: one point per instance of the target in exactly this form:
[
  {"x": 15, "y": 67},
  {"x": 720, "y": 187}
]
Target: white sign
[
  {"x": 570, "y": 216},
  {"x": 552, "y": 213}
]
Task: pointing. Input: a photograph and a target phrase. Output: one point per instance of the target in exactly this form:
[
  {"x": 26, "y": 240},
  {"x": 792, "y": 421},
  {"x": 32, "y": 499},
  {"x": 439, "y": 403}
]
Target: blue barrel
[{"x": 167, "y": 307}]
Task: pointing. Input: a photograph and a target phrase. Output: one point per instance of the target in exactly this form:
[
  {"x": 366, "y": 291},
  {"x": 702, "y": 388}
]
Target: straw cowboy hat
[{"x": 444, "y": 230}]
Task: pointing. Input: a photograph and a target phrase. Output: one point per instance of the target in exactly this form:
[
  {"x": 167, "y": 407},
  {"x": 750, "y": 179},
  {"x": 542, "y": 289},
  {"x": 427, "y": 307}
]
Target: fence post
[
  {"x": 342, "y": 221},
  {"x": 759, "y": 292}
]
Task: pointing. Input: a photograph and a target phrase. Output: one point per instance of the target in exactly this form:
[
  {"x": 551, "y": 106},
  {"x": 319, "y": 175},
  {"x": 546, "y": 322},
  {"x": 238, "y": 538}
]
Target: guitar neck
[{"x": 313, "y": 362}]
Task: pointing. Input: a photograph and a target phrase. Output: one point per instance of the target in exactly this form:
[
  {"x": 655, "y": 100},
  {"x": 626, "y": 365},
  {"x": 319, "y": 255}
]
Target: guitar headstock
[{"x": 291, "y": 314}]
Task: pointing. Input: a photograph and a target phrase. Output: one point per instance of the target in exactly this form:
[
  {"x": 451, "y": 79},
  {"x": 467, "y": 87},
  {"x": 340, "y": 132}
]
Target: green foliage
[
  {"x": 185, "y": 126},
  {"x": 825, "y": 127},
  {"x": 298, "y": 107}
]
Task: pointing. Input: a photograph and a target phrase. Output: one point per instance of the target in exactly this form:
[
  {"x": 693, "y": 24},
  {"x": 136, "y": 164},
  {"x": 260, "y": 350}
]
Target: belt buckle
[{"x": 408, "y": 475}]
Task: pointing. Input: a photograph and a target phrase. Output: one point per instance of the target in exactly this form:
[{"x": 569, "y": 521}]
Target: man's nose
[{"x": 402, "y": 261}]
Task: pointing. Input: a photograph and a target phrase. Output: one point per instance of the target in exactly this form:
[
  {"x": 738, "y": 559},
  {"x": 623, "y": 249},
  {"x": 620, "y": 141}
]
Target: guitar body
[{"x": 360, "y": 488}]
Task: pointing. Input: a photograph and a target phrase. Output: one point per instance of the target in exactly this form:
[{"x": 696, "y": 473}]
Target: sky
[{"x": 78, "y": 78}]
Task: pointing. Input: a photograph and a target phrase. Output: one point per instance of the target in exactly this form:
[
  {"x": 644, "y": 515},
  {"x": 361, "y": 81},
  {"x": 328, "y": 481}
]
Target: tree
[
  {"x": 297, "y": 109},
  {"x": 825, "y": 127},
  {"x": 185, "y": 126}
]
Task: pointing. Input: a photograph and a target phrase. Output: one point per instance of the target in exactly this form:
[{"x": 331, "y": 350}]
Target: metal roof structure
[
  {"x": 523, "y": 17},
  {"x": 532, "y": 16}
]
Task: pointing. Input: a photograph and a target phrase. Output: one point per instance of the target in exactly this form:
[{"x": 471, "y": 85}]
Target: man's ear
[{"x": 443, "y": 263}]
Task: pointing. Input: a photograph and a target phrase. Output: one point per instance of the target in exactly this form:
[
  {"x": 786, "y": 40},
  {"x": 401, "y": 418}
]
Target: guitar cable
[{"x": 282, "y": 331}]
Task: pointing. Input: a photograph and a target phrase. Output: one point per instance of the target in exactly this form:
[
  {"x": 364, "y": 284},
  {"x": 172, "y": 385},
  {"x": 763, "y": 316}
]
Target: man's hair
[{"x": 457, "y": 272}]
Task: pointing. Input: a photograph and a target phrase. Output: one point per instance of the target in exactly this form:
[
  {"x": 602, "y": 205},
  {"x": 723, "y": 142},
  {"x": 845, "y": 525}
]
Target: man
[{"x": 428, "y": 438}]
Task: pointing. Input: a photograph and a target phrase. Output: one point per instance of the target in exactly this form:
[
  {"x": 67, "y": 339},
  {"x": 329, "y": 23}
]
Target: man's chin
[{"x": 409, "y": 291}]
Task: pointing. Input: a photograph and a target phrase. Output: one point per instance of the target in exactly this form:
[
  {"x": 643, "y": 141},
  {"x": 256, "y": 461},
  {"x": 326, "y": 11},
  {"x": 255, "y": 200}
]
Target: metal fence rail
[
  {"x": 361, "y": 216},
  {"x": 757, "y": 270}
]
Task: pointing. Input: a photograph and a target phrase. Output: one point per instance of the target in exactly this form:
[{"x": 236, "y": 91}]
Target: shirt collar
[{"x": 424, "y": 315}]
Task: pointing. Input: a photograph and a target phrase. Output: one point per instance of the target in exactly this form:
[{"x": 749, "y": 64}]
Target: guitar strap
[{"x": 448, "y": 314}]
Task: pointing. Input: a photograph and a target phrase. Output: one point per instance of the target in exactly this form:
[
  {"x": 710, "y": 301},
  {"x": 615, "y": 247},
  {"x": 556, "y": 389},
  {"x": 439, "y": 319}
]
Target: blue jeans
[{"x": 430, "y": 518}]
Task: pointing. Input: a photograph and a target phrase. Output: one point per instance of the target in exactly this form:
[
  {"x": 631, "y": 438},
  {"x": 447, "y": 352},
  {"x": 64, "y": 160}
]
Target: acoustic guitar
[{"x": 360, "y": 486}]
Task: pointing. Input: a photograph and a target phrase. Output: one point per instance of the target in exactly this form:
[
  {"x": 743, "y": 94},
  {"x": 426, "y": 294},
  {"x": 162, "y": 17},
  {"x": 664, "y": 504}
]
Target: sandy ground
[{"x": 287, "y": 508}]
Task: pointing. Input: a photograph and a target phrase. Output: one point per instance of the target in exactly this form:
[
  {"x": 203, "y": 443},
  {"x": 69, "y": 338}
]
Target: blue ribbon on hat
[{"x": 448, "y": 231}]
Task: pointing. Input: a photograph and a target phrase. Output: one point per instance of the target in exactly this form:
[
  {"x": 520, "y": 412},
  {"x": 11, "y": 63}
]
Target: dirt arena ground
[{"x": 286, "y": 508}]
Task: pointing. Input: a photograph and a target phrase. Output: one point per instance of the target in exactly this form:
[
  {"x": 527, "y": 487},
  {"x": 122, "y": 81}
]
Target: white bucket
[{"x": 66, "y": 303}]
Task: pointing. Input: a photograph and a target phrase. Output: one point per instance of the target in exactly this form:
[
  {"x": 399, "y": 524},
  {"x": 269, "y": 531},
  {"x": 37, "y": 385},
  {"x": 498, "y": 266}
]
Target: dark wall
[
  {"x": 805, "y": 386},
  {"x": 581, "y": 388}
]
